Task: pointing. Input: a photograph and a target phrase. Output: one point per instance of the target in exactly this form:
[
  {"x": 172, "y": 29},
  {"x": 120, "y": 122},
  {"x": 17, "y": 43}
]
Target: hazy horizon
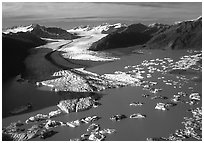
[{"x": 69, "y": 14}]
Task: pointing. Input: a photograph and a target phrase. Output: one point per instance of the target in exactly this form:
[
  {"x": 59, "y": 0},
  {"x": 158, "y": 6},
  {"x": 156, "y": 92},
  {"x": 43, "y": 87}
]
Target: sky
[{"x": 23, "y": 13}]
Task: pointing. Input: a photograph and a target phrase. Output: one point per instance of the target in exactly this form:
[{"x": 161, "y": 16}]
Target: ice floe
[
  {"x": 118, "y": 117},
  {"x": 37, "y": 118},
  {"x": 54, "y": 113},
  {"x": 161, "y": 106},
  {"x": 51, "y": 124},
  {"x": 137, "y": 116},
  {"x": 76, "y": 105},
  {"x": 136, "y": 104},
  {"x": 94, "y": 133},
  {"x": 47, "y": 133},
  {"x": 93, "y": 128},
  {"x": 85, "y": 81}
]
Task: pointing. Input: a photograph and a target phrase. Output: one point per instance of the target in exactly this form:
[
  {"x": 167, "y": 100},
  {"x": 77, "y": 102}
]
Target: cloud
[
  {"x": 153, "y": 4},
  {"x": 35, "y": 11},
  {"x": 87, "y": 9}
]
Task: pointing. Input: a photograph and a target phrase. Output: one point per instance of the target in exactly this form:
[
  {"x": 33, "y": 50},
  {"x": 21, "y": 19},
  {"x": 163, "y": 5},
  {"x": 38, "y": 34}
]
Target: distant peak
[
  {"x": 199, "y": 18},
  {"x": 154, "y": 24},
  {"x": 103, "y": 24},
  {"x": 35, "y": 25},
  {"x": 192, "y": 20},
  {"x": 118, "y": 25},
  {"x": 17, "y": 29},
  {"x": 158, "y": 25}
]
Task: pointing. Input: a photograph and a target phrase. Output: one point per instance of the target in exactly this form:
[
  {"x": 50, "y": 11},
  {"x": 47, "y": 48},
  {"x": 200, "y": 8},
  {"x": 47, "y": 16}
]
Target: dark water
[
  {"x": 115, "y": 101},
  {"x": 157, "y": 123},
  {"x": 16, "y": 94}
]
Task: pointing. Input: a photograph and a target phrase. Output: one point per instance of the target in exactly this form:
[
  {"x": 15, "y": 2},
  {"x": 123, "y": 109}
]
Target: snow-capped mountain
[
  {"x": 185, "y": 34},
  {"x": 42, "y": 32},
  {"x": 157, "y": 25},
  {"x": 97, "y": 29},
  {"x": 114, "y": 28},
  {"x": 19, "y": 29},
  {"x": 135, "y": 34},
  {"x": 192, "y": 20},
  {"x": 82, "y": 28},
  {"x": 104, "y": 28}
]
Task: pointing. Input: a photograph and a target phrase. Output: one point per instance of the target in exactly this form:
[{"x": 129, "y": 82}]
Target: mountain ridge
[
  {"x": 185, "y": 34},
  {"x": 134, "y": 34},
  {"x": 42, "y": 32}
]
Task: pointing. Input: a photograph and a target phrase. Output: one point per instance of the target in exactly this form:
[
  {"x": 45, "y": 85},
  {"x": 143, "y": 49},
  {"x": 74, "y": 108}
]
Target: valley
[{"x": 115, "y": 94}]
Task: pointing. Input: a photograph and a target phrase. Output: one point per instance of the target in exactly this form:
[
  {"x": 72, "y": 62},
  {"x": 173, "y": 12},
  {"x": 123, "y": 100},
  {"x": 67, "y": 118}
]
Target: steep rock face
[
  {"x": 135, "y": 34},
  {"x": 186, "y": 34}
]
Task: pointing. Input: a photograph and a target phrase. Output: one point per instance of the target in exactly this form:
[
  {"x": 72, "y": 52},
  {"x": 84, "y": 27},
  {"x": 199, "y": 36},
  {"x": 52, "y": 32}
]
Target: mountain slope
[
  {"x": 16, "y": 42},
  {"x": 135, "y": 34},
  {"x": 118, "y": 27},
  {"x": 42, "y": 32},
  {"x": 186, "y": 34},
  {"x": 52, "y": 33},
  {"x": 14, "y": 50}
]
